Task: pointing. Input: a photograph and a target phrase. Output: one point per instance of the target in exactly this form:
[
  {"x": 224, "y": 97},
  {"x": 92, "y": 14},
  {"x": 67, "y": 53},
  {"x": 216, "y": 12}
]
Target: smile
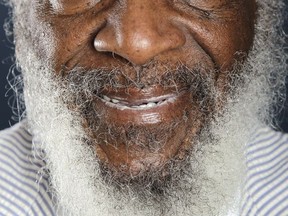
[
  {"x": 138, "y": 107},
  {"x": 120, "y": 103}
]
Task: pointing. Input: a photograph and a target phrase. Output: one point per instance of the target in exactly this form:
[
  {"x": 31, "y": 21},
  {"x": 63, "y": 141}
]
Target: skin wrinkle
[
  {"x": 73, "y": 37},
  {"x": 153, "y": 182}
]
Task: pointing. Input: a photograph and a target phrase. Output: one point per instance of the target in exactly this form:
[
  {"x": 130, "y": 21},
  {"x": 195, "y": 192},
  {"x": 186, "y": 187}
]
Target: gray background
[{"x": 6, "y": 55}]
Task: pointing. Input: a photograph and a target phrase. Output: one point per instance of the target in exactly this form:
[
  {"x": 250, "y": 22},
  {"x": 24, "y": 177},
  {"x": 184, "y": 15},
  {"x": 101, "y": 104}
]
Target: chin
[{"x": 143, "y": 141}]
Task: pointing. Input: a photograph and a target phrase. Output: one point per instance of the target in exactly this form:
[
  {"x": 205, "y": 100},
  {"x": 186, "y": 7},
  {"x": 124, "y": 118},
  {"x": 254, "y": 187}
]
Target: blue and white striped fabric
[
  {"x": 24, "y": 190},
  {"x": 266, "y": 186}
]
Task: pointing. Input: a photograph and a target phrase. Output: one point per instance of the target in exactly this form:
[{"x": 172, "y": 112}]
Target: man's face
[
  {"x": 152, "y": 98},
  {"x": 154, "y": 64}
]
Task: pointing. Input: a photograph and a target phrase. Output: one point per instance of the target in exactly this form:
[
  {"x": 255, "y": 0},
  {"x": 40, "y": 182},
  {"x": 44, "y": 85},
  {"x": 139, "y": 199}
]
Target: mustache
[{"x": 92, "y": 82}]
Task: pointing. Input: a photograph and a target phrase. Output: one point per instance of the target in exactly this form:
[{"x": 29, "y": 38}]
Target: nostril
[
  {"x": 117, "y": 57},
  {"x": 100, "y": 46},
  {"x": 139, "y": 41}
]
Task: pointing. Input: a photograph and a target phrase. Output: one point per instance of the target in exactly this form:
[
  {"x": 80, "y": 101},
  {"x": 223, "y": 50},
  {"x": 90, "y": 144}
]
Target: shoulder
[
  {"x": 16, "y": 138},
  {"x": 266, "y": 191},
  {"x": 16, "y": 151},
  {"x": 24, "y": 188},
  {"x": 266, "y": 146}
]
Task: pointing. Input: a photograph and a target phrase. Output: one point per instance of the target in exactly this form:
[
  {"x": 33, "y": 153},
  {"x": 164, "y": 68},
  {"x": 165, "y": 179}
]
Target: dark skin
[{"x": 130, "y": 34}]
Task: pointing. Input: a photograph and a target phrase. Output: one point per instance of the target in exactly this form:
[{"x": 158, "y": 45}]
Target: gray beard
[{"x": 211, "y": 185}]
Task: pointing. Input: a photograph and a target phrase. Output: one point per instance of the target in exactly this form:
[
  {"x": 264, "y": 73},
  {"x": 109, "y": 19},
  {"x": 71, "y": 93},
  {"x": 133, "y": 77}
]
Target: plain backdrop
[
  {"x": 6, "y": 62},
  {"x": 6, "y": 52}
]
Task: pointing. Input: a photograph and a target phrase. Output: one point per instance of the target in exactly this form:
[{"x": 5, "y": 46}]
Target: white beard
[{"x": 75, "y": 173}]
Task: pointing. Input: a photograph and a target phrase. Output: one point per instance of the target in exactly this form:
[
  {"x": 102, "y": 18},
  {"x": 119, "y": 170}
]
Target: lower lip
[{"x": 167, "y": 111}]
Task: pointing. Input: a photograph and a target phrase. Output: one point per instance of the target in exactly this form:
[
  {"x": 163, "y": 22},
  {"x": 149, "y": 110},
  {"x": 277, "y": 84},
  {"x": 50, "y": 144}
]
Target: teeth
[
  {"x": 106, "y": 98},
  {"x": 142, "y": 106},
  {"x": 115, "y": 101},
  {"x": 110, "y": 100},
  {"x": 151, "y": 104}
]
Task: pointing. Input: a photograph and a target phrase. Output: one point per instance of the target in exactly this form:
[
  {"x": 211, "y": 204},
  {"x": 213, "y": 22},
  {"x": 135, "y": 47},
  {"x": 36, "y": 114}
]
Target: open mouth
[
  {"x": 142, "y": 106},
  {"x": 138, "y": 104}
]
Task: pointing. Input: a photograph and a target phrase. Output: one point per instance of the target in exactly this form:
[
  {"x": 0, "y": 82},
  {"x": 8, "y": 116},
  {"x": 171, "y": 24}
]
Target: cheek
[
  {"x": 223, "y": 41},
  {"x": 74, "y": 44},
  {"x": 234, "y": 46},
  {"x": 38, "y": 36}
]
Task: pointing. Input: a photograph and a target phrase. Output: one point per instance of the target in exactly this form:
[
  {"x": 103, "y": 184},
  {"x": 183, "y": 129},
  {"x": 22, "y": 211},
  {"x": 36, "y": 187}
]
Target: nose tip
[
  {"x": 138, "y": 46},
  {"x": 138, "y": 32}
]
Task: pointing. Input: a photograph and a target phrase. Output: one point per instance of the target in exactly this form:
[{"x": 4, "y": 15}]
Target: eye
[
  {"x": 72, "y": 6},
  {"x": 199, "y": 8}
]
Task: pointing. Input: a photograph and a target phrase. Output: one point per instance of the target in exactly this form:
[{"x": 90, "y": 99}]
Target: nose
[{"x": 138, "y": 32}]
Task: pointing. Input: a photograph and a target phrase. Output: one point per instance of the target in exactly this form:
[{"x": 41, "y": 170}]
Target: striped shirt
[
  {"x": 24, "y": 187},
  {"x": 266, "y": 186}
]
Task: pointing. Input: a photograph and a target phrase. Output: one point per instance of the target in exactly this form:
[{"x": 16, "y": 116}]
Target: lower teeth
[{"x": 149, "y": 105}]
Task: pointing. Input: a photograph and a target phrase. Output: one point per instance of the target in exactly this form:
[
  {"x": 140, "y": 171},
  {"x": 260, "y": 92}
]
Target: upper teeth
[
  {"x": 151, "y": 104},
  {"x": 110, "y": 100},
  {"x": 115, "y": 101},
  {"x": 144, "y": 105},
  {"x": 106, "y": 98}
]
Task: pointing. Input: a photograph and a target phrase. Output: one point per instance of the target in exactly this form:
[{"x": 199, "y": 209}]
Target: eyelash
[
  {"x": 188, "y": 5},
  {"x": 203, "y": 12}
]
